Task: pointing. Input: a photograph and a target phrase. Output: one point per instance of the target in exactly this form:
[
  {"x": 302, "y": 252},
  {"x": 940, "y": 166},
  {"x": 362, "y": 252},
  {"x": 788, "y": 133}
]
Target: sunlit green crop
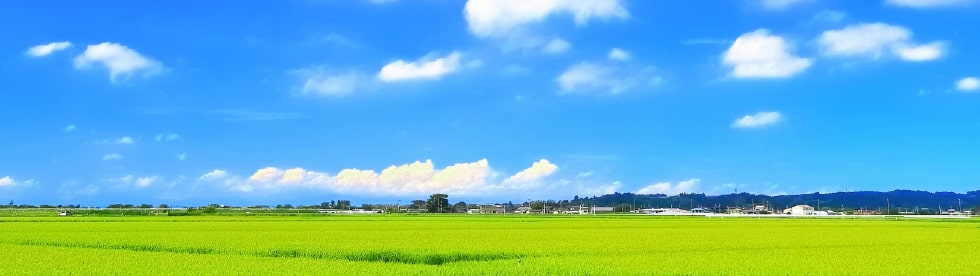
[{"x": 477, "y": 245}]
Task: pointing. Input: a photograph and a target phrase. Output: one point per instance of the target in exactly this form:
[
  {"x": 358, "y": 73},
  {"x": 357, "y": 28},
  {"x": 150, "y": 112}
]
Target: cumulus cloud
[
  {"x": 47, "y": 49},
  {"x": 588, "y": 77},
  {"x": 7, "y": 181},
  {"x": 112, "y": 156},
  {"x": 509, "y": 20},
  {"x": 876, "y": 40},
  {"x": 619, "y": 54},
  {"x": 922, "y": 4},
  {"x": 427, "y": 68},
  {"x": 537, "y": 171},
  {"x": 500, "y": 17},
  {"x": 924, "y": 52},
  {"x": 667, "y": 188},
  {"x": 556, "y": 46},
  {"x": 416, "y": 178},
  {"x": 118, "y": 59},
  {"x": 166, "y": 137},
  {"x": 968, "y": 84},
  {"x": 759, "y": 119},
  {"x": 760, "y": 55}
]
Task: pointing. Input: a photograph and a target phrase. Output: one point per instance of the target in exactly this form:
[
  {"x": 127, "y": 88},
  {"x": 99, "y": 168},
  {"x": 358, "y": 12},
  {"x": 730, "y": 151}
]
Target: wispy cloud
[
  {"x": 511, "y": 22},
  {"x": 759, "y": 119},
  {"x": 876, "y": 40},
  {"x": 166, "y": 137},
  {"x": 926, "y": 4},
  {"x": 125, "y": 140},
  {"x": 70, "y": 128},
  {"x": 47, "y": 49},
  {"x": 607, "y": 77},
  {"x": 667, "y": 188},
  {"x": 430, "y": 67}
]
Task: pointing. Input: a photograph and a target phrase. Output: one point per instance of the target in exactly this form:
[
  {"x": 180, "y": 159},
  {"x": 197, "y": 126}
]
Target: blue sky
[{"x": 267, "y": 102}]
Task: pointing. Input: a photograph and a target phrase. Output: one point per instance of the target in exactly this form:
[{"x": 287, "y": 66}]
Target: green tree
[
  {"x": 343, "y": 204},
  {"x": 163, "y": 206},
  {"x": 460, "y": 207},
  {"x": 437, "y": 203},
  {"x": 537, "y": 205}
]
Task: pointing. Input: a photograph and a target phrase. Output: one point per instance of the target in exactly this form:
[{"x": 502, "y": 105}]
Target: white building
[{"x": 799, "y": 210}]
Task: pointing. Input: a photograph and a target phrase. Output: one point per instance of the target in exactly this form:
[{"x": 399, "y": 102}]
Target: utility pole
[{"x": 888, "y": 206}]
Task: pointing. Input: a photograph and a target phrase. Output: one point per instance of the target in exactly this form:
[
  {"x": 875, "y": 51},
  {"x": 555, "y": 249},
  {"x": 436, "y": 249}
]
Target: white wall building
[{"x": 799, "y": 210}]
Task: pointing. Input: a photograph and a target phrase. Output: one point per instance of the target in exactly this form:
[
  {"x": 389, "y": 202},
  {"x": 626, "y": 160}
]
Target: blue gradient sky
[{"x": 266, "y": 102}]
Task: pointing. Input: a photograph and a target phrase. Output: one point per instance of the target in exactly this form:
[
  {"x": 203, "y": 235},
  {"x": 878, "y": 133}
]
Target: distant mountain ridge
[{"x": 896, "y": 201}]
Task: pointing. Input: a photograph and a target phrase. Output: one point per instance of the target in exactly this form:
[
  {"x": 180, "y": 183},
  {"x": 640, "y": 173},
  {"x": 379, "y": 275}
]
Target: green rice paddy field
[{"x": 482, "y": 245}]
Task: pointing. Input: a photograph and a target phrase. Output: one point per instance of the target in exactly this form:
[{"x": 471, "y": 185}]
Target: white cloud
[
  {"x": 47, "y": 49},
  {"x": 320, "y": 81},
  {"x": 619, "y": 54},
  {"x": 537, "y": 171},
  {"x": 427, "y": 68},
  {"x": 416, "y": 178},
  {"x": 875, "y": 40},
  {"x": 759, "y": 119},
  {"x": 146, "y": 181},
  {"x": 7, "y": 181},
  {"x": 600, "y": 189},
  {"x": 500, "y": 17},
  {"x": 587, "y": 77},
  {"x": 182, "y": 156},
  {"x": 557, "y": 46},
  {"x": 125, "y": 140},
  {"x": 927, "y": 3},
  {"x": 968, "y": 84},
  {"x": 760, "y": 55},
  {"x": 512, "y": 21},
  {"x": 214, "y": 175},
  {"x": 667, "y": 188},
  {"x": 118, "y": 59},
  {"x": 167, "y": 137},
  {"x": 70, "y": 128},
  {"x": 112, "y": 156},
  {"x": 925, "y": 52},
  {"x": 781, "y": 4},
  {"x": 140, "y": 182}
]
